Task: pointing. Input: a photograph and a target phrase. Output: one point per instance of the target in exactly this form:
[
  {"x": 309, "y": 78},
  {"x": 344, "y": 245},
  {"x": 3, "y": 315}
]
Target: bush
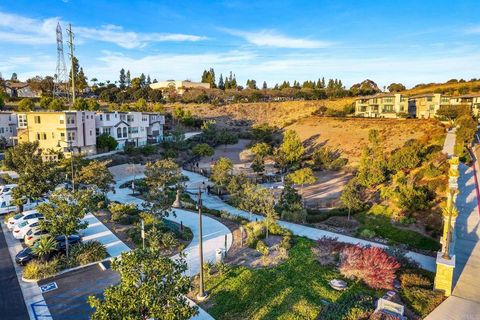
[
  {"x": 262, "y": 248},
  {"x": 106, "y": 142},
  {"x": 422, "y": 300},
  {"x": 328, "y": 159},
  {"x": 349, "y": 307},
  {"x": 255, "y": 232},
  {"x": 202, "y": 150},
  {"x": 413, "y": 279},
  {"x": 315, "y": 216},
  {"x": 148, "y": 150},
  {"x": 36, "y": 270},
  {"x": 367, "y": 233},
  {"x": 127, "y": 213},
  {"x": 87, "y": 252},
  {"x": 371, "y": 264},
  {"x": 26, "y": 104}
]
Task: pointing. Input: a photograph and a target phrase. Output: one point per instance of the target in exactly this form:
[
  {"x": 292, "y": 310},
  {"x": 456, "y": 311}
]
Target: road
[{"x": 12, "y": 305}]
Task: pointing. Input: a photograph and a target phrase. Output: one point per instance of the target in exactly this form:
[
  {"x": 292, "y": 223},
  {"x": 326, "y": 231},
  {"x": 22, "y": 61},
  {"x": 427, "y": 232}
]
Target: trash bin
[{"x": 219, "y": 255}]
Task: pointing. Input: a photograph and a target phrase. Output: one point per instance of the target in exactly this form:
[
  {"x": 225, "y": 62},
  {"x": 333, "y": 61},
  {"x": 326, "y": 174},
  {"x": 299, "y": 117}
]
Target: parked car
[
  {"x": 20, "y": 217},
  {"x": 33, "y": 235},
  {"x": 7, "y": 205},
  {"x": 26, "y": 255},
  {"x": 23, "y": 227},
  {"x": 7, "y": 189}
]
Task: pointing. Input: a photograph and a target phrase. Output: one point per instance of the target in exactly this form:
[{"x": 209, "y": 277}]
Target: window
[
  {"x": 101, "y": 117},
  {"x": 124, "y": 132},
  {"x": 71, "y": 120},
  {"x": 1, "y": 130},
  {"x": 62, "y": 119},
  {"x": 53, "y": 135},
  {"x": 133, "y": 130},
  {"x": 388, "y": 108},
  {"x": 71, "y": 136},
  {"x": 91, "y": 132},
  {"x": 119, "y": 132},
  {"x": 130, "y": 118},
  {"x": 38, "y": 135},
  {"x": 429, "y": 99},
  {"x": 108, "y": 117},
  {"x": 22, "y": 120},
  {"x": 62, "y": 135},
  {"x": 37, "y": 119},
  {"x": 144, "y": 118},
  {"x": 97, "y": 131}
]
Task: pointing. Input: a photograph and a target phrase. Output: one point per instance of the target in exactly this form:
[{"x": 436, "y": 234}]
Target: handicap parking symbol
[{"x": 49, "y": 287}]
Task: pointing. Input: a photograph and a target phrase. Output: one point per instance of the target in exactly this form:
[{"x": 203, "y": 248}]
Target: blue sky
[{"x": 386, "y": 41}]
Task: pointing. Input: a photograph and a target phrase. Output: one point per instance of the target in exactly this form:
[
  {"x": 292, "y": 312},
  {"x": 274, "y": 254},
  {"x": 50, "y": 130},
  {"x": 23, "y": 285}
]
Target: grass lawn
[
  {"x": 384, "y": 228},
  {"x": 296, "y": 289}
]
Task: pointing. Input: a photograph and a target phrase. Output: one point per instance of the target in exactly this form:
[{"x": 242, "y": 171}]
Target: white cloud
[
  {"x": 270, "y": 38},
  {"x": 23, "y": 30},
  {"x": 128, "y": 39}
]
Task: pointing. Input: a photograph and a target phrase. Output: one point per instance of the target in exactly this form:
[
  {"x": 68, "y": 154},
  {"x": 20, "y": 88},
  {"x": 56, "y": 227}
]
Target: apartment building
[
  {"x": 136, "y": 128},
  {"x": 179, "y": 86},
  {"x": 64, "y": 131},
  {"x": 427, "y": 105},
  {"x": 470, "y": 100},
  {"x": 383, "y": 105},
  {"x": 8, "y": 128}
]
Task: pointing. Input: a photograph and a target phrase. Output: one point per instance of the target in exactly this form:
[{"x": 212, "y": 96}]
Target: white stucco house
[
  {"x": 130, "y": 127},
  {"x": 8, "y": 128}
]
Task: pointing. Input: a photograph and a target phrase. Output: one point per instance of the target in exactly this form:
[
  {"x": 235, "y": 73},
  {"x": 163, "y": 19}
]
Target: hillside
[
  {"x": 454, "y": 88},
  {"x": 350, "y": 135},
  {"x": 274, "y": 113}
]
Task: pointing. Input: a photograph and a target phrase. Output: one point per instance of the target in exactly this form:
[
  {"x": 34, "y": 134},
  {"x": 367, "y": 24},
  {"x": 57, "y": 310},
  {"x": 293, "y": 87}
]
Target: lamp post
[
  {"x": 70, "y": 149},
  {"x": 446, "y": 253},
  {"x": 201, "y": 293}
]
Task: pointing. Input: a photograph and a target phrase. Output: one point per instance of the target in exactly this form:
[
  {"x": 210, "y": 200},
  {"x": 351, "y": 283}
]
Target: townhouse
[
  {"x": 63, "y": 131},
  {"x": 8, "y": 128},
  {"x": 471, "y": 101},
  {"x": 427, "y": 105},
  {"x": 136, "y": 128},
  {"x": 383, "y": 105}
]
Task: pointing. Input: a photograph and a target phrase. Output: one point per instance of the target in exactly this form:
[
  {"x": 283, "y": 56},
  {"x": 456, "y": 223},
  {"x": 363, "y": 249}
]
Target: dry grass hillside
[
  {"x": 447, "y": 88},
  {"x": 350, "y": 135},
  {"x": 274, "y": 113}
]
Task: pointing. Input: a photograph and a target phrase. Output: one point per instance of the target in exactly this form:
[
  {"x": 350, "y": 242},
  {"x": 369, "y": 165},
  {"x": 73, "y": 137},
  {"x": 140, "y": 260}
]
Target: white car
[
  {"x": 7, "y": 205},
  {"x": 7, "y": 189},
  {"x": 20, "y": 217},
  {"x": 23, "y": 227}
]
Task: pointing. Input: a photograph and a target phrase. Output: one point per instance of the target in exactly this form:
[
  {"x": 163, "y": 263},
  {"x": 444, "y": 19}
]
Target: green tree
[
  {"x": 25, "y": 104},
  {"x": 106, "y": 142},
  {"x": 292, "y": 147},
  {"x": 80, "y": 104},
  {"x": 290, "y": 204},
  {"x": 351, "y": 196},
  {"x": 262, "y": 201},
  {"x": 203, "y": 150},
  {"x": 123, "y": 79},
  {"x": 261, "y": 149},
  {"x": 373, "y": 165},
  {"x": 141, "y": 104},
  {"x": 64, "y": 211},
  {"x": 452, "y": 112},
  {"x": 56, "y": 105},
  {"x": 396, "y": 87},
  {"x": 302, "y": 176},
  {"x": 45, "y": 102},
  {"x": 96, "y": 173},
  {"x": 257, "y": 165},
  {"x": 152, "y": 286},
  {"x": 221, "y": 173}
]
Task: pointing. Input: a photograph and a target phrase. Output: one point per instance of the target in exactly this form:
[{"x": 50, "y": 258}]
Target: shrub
[
  {"x": 372, "y": 265},
  {"x": 328, "y": 159},
  {"x": 413, "y": 279},
  {"x": 26, "y": 104},
  {"x": 367, "y": 233},
  {"x": 203, "y": 150},
  {"x": 255, "y": 231},
  {"x": 349, "y": 307},
  {"x": 262, "y": 248},
  {"x": 106, "y": 142},
  {"x": 36, "y": 270},
  {"x": 124, "y": 213},
  {"x": 422, "y": 300},
  {"x": 148, "y": 150},
  {"x": 88, "y": 252}
]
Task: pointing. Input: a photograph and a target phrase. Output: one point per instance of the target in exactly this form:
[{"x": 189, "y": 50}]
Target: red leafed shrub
[{"x": 372, "y": 265}]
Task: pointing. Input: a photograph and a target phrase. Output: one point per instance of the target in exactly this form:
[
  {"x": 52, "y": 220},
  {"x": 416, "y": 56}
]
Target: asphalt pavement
[{"x": 12, "y": 305}]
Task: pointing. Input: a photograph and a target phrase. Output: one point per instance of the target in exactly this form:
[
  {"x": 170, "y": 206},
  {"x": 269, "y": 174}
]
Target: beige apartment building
[
  {"x": 59, "y": 131},
  {"x": 179, "y": 86},
  {"x": 427, "y": 105},
  {"x": 382, "y": 105},
  {"x": 470, "y": 100}
]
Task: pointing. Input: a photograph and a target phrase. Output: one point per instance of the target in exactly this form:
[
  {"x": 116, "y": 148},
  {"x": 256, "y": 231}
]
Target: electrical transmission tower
[
  {"x": 61, "y": 75},
  {"x": 72, "y": 60}
]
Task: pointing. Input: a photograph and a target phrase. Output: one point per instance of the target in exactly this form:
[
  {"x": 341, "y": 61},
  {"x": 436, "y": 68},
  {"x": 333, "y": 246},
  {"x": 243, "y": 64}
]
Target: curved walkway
[{"x": 214, "y": 232}]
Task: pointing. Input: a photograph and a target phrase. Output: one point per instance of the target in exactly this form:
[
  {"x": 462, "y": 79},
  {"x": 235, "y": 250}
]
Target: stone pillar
[{"x": 446, "y": 260}]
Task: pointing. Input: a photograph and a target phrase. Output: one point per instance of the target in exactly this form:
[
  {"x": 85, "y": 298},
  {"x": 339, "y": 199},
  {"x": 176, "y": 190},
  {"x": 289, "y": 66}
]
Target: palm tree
[{"x": 44, "y": 247}]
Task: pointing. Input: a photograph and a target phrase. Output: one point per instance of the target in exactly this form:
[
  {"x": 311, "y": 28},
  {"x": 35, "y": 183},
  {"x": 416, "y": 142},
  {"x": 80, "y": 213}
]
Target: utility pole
[
  {"x": 72, "y": 71},
  {"x": 201, "y": 293}
]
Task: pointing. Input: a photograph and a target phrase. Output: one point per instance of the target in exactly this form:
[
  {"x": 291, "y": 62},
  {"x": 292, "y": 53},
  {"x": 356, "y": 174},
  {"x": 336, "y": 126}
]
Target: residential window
[
  {"x": 429, "y": 99},
  {"x": 388, "y": 108},
  {"x": 22, "y": 120},
  {"x": 37, "y": 119},
  {"x": 108, "y": 117},
  {"x": 71, "y": 136},
  {"x": 91, "y": 132},
  {"x": 119, "y": 132},
  {"x": 101, "y": 117},
  {"x": 124, "y": 132},
  {"x": 62, "y": 119},
  {"x": 107, "y": 130},
  {"x": 38, "y": 135},
  {"x": 71, "y": 120},
  {"x": 97, "y": 131},
  {"x": 144, "y": 118},
  {"x": 1, "y": 130},
  {"x": 62, "y": 135}
]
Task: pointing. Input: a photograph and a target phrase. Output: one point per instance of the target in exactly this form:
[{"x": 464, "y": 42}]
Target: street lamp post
[
  {"x": 446, "y": 253},
  {"x": 70, "y": 149},
  {"x": 201, "y": 293}
]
